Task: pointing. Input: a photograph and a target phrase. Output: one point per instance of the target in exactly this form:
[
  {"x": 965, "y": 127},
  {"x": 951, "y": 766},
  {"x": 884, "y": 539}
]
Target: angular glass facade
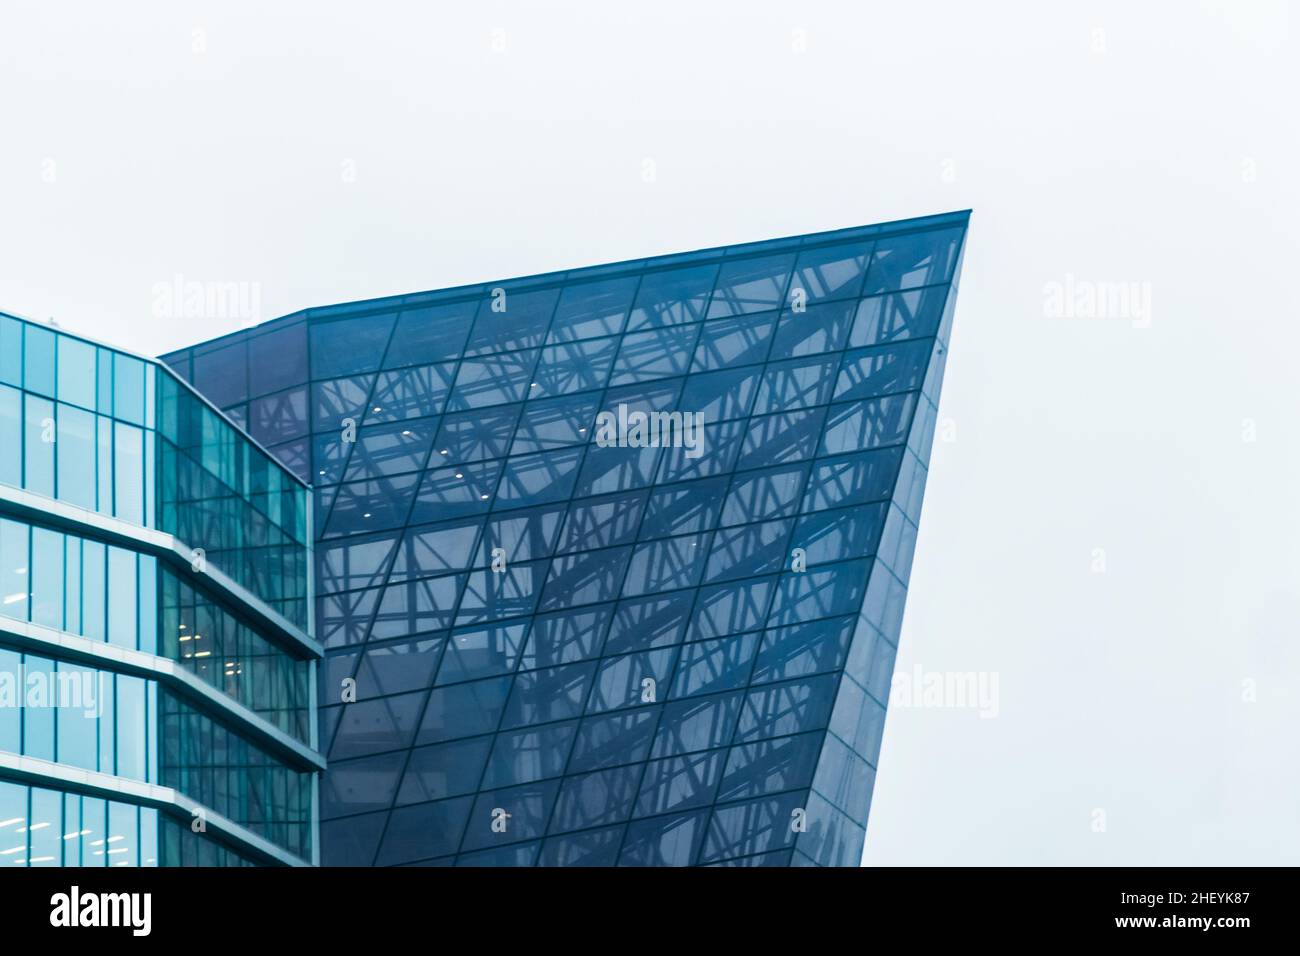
[
  {"x": 610, "y": 563},
  {"x": 157, "y": 676}
]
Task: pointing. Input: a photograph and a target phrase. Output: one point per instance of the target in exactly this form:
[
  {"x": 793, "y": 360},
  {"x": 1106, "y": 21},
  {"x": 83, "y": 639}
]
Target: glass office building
[
  {"x": 157, "y": 673},
  {"x": 610, "y": 563}
]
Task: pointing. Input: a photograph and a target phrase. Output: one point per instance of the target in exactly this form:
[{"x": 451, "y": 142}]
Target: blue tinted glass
[
  {"x": 38, "y": 445},
  {"x": 128, "y": 388},
  {"x": 128, "y": 473},
  {"x": 11, "y": 722},
  {"x": 672, "y": 297},
  {"x": 612, "y": 739},
  {"x": 573, "y": 367},
  {"x": 572, "y": 650},
  {"x": 523, "y": 756},
  {"x": 277, "y": 359},
  {"x": 38, "y": 720},
  {"x": 348, "y": 346},
  {"x": 278, "y": 417},
  {"x": 802, "y": 649},
  {"x": 444, "y": 770},
  {"x": 592, "y": 309},
  {"x": 391, "y": 719},
  {"x": 591, "y": 848},
  {"x": 731, "y": 342},
  {"x": 881, "y": 371},
  {"x": 672, "y": 840},
  {"x": 430, "y": 334},
  {"x": 11, "y": 351},
  {"x": 38, "y": 360},
  {"x": 751, "y": 285},
  {"x": 834, "y": 272},
  {"x": 494, "y": 380},
  {"x": 481, "y": 651},
  {"x": 770, "y": 766},
  {"x": 422, "y": 831},
  {"x": 819, "y": 328},
  {"x": 221, "y": 374},
  {"x": 410, "y": 393},
  {"x": 711, "y": 666},
  {"x": 554, "y": 693},
  {"x": 912, "y": 260},
  {"x": 509, "y": 816},
  {"x": 76, "y": 456},
  {"x": 11, "y": 436},
  {"x": 47, "y": 580},
  {"x": 679, "y": 783},
  {"x": 798, "y": 384},
  {"x": 463, "y": 710},
  {"x": 683, "y": 508},
  {"x": 365, "y": 784},
  {"x": 596, "y": 799},
  {"x": 728, "y": 393},
  {"x": 887, "y": 318},
  {"x": 76, "y": 372},
  {"x": 510, "y": 320},
  {"x": 657, "y": 353}
]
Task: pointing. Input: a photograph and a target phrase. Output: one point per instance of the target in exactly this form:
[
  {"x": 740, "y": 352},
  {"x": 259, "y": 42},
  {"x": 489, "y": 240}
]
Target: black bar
[{"x": 864, "y": 907}]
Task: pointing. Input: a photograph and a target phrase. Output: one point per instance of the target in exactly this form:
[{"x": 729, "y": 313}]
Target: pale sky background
[{"x": 1152, "y": 143}]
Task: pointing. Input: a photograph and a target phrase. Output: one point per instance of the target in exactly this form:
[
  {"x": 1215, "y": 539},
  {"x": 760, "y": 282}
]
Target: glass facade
[
  {"x": 122, "y": 436},
  {"x": 121, "y": 653},
  {"x": 112, "y": 594},
  {"x": 40, "y": 827},
  {"x": 610, "y": 564}
]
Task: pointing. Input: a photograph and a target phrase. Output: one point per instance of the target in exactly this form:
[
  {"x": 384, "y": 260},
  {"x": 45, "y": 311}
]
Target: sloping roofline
[{"x": 608, "y": 269}]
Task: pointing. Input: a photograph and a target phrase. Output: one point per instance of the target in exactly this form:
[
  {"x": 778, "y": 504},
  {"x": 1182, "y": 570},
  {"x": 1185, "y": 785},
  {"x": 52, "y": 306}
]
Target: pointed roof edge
[{"x": 600, "y": 270}]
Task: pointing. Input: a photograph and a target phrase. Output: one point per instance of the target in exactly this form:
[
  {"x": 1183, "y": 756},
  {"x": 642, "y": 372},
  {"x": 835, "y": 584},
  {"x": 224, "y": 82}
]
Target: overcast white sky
[{"x": 331, "y": 151}]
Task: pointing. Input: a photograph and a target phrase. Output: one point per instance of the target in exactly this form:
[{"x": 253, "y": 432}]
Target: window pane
[
  {"x": 76, "y": 372},
  {"x": 39, "y": 445},
  {"x": 94, "y": 590},
  {"x": 221, "y": 374},
  {"x": 38, "y": 361},
  {"x": 347, "y": 346},
  {"x": 277, "y": 360},
  {"x": 38, "y": 713},
  {"x": 751, "y": 285},
  {"x": 78, "y": 726},
  {"x": 128, "y": 388},
  {"x": 128, "y": 473},
  {"x": 11, "y": 351},
  {"x": 11, "y": 433},
  {"x": 11, "y": 689},
  {"x": 122, "y": 847},
  {"x": 47, "y": 577},
  {"x": 832, "y": 273},
  {"x": 592, "y": 309},
  {"x": 514, "y": 320},
  {"x": 672, "y": 297},
  {"x": 130, "y": 727},
  {"x": 15, "y": 580},
  {"x": 121, "y": 598},
  {"x": 46, "y": 830},
  {"x": 76, "y": 456},
  {"x": 94, "y": 822},
  {"x": 430, "y": 334}
]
